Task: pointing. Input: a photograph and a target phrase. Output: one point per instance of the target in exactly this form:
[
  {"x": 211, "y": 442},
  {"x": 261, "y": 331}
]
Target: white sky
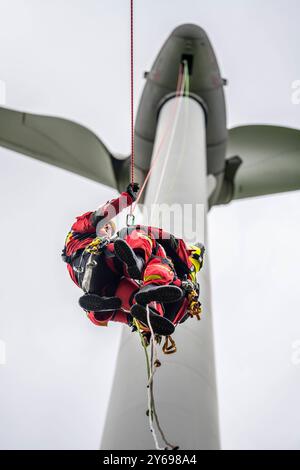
[{"x": 71, "y": 58}]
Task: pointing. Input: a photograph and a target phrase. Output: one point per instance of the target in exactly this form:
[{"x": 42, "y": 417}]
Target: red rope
[
  {"x": 178, "y": 89},
  {"x": 131, "y": 91}
]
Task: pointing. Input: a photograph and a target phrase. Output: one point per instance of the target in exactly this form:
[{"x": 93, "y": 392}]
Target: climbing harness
[
  {"x": 97, "y": 245},
  {"x": 94, "y": 249},
  {"x": 88, "y": 272}
]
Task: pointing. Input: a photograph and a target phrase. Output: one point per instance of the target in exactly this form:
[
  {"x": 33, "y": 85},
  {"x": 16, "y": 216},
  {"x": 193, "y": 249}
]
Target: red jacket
[
  {"x": 83, "y": 231},
  {"x": 175, "y": 248},
  {"x": 179, "y": 245}
]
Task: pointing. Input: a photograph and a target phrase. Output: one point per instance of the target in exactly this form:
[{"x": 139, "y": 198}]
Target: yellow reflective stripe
[
  {"x": 152, "y": 277},
  {"x": 166, "y": 268},
  {"x": 69, "y": 236},
  {"x": 143, "y": 235},
  {"x": 195, "y": 263},
  {"x": 140, "y": 325},
  {"x": 102, "y": 323}
]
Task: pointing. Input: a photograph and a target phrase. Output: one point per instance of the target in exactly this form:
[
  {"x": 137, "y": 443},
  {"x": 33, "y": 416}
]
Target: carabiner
[{"x": 130, "y": 218}]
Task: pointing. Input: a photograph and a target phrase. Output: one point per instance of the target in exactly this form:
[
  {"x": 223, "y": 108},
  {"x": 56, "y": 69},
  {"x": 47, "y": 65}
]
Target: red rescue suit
[
  {"x": 159, "y": 269},
  {"x": 83, "y": 231}
]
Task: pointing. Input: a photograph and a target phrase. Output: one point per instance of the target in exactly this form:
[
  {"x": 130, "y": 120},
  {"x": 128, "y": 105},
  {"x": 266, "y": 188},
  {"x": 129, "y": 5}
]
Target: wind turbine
[{"x": 218, "y": 166}]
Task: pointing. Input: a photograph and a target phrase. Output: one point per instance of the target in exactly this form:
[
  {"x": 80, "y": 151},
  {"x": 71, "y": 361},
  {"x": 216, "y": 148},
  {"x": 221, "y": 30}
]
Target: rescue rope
[
  {"x": 179, "y": 89},
  {"x": 186, "y": 78},
  {"x": 153, "y": 358},
  {"x": 150, "y": 375},
  {"x": 185, "y": 127},
  {"x": 184, "y": 91},
  {"x": 151, "y": 366},
  {"x": 171, "y": 140},
  {"x": 182, "y": 85},
  {"x": 153, "y": 363},
  {"x": 131, "y": 92},
  {"x": 169, "y": 346}
]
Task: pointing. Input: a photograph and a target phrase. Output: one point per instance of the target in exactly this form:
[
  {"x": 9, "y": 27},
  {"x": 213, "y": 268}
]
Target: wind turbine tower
[{"x": 201, "y": 164}]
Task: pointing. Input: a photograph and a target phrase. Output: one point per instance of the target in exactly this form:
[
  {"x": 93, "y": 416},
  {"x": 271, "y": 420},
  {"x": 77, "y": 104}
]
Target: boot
[
  {"x": 160, "y": 325},
  {"x": 155, "y": 293},
  {"x": 134, "y": 263},
  {"x": 96, "y": 303}
]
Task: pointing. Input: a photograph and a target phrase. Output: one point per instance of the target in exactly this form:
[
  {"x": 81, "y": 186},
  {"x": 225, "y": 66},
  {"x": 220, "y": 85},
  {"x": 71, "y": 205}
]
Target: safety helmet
[{"x": 196, "y": 256}]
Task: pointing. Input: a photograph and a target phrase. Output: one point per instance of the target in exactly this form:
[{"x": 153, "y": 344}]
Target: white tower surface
[{"x": 185, "y": 385}]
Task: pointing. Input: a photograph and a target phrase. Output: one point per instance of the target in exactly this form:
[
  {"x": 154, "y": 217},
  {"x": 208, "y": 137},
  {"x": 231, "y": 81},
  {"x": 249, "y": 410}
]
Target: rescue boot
[
  {"x": 160, "y": 325},
  {"x": 155, "y": 293},
  {"x": 96, "y": 303},
  {"x": 134, "y": 263}
]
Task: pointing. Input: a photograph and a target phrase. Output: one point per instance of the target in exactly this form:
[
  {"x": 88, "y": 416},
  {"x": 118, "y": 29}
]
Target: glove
[{"x": 133, "y": 189}]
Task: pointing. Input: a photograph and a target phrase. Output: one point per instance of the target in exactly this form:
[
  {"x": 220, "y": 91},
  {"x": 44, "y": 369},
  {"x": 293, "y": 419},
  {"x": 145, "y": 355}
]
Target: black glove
[{"x": 133, "y": 189}]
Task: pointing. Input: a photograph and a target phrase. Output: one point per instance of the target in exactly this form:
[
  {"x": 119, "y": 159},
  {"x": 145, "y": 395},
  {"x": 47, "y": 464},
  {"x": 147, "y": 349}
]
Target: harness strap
[{"x": 69, "y": 258}]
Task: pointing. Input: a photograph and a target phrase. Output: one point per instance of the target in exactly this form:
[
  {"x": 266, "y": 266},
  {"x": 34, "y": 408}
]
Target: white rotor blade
[
  {"x": 270, "y": 159},
  {"x": 57, "y": 141}
]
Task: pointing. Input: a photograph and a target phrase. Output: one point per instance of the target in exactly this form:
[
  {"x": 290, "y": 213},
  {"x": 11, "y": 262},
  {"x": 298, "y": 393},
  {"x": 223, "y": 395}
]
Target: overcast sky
[{"x": 71, "y": 58}]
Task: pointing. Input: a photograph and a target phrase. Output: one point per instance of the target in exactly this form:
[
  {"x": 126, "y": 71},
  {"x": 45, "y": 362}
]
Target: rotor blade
[
  {"x": 270, "y": 159},
  {"x": 57, "y": 141}
]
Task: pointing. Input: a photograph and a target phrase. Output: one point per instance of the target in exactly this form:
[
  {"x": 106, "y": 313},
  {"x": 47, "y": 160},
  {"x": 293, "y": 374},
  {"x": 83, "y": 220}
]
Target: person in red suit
[
  {"x": 183, "y": 262},
  {"x": 97, "y": 261}
]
